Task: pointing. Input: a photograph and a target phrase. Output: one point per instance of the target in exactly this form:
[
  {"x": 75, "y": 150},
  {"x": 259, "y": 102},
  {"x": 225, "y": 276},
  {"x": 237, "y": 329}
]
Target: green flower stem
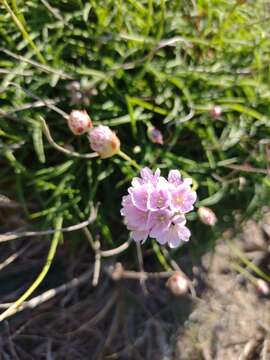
[
  {"x": 161, "y": 258},
  {"x": 22, "y": 29},
  {"x": 51, "y": 254},
  {"x": 128, "y": 159}
]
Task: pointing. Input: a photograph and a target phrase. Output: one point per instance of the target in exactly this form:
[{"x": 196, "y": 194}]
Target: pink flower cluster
[{"x": 156, "y": 207}]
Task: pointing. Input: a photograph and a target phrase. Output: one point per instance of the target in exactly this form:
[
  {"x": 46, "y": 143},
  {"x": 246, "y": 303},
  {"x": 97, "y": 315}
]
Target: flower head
[
  {"x": 79, "y": 122},
  {"x": 156, "y": 207},
  {"x": 104, "y": 141}
]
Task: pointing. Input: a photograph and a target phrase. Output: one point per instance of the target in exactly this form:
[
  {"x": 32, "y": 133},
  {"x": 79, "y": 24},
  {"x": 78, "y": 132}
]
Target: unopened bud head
[
  {"x": 216, "y": 112},
  {"x": 155, "y": 135},
  {"x": 104, "y": 141},
  {"x": 178, "y": 284},
  {"x": 79, "y": 122},
  {"x": 207, "y": 216},
  {"x": 262, "y": 287}
]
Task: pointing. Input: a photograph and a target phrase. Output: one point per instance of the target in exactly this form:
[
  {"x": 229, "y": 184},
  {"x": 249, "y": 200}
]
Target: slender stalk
[
  {"x": 128, "y": 159},
  {"x": 51, "y": 254},
  {"x": 23, "y": 31},
  {"x": 244, "y": 273},
  {"x": 48, "y": 135},
  {"x": 17, "y": 12}
]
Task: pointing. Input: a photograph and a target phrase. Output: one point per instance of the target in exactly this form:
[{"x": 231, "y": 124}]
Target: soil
[
  {"x": 232, "y": 319},
  {"x": 227, "y": 319}
]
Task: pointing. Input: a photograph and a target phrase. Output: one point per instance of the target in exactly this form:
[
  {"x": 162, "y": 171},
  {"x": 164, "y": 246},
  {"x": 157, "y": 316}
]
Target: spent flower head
[{"x": 156, "y": 207}]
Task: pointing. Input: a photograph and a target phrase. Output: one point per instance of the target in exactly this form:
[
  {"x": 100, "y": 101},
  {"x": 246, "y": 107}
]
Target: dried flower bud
[
  {"x": 215, "y": 112},
  {"x": 79, "y": 122},
  {"x": 104, "y": 141},
  {"x": 155, "y": 135},
  {"x": 73, "y": 86},
  {"x": 117, "y": 271},
  {"x": 262, "y": 287},
  {"x": 207, "y": 216},
  {"x": 178, "y": 284}
]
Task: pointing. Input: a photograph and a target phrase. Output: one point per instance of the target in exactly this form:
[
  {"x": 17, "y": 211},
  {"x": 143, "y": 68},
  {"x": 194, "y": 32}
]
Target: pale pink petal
[
  {"x": 183, "y": 199},
  {"x": 139, "y": 196},
  {"x": 174, "y": 241},
  {"x": 187, "y": 181},
  {"x": 183, "y": 232},
  {"x": 159, "y": 221},
  {"x": 137, "y": 181},
  {"x": 147, "y": 174},
  {"x": 138, "y": 235},
  {"x": 179, "y": 219},
  {"x": 135, "y": 217},
  {"x": 159, "y": 199},
  {"x": 174, "y": 177}
]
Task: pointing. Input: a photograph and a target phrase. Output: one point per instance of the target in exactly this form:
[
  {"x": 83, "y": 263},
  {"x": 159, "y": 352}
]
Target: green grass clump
[{"x": 162, "y": 63}]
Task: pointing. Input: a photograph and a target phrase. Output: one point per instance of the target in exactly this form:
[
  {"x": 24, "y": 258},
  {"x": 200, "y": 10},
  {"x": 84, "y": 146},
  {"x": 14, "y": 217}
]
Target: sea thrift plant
[
  {"x": 79, "y": 122},
  {"x": 104, "y": 141},
  {"x": 155, "y": 207}
]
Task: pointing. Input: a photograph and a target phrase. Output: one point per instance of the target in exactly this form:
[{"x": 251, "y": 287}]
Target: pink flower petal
[
  {"x": 159, "y": 221},
  {"x": 159, "y": 199},
  {"x": 139, "y": 196},
  {"x": 138, "y": 235}
]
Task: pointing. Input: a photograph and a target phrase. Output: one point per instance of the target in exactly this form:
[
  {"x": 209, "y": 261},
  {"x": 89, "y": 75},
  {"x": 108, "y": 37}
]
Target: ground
[{"x": 227, "y": 318}]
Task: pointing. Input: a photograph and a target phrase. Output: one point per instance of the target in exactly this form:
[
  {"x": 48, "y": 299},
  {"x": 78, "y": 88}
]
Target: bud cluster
[{"x": 102, "y": 139}]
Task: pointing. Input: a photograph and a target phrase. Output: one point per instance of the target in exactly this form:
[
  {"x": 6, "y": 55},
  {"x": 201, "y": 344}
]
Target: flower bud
[
  {"x": 73, "y": 86},
  {"x": 155, "y": 135},
  {"x": 262, "y": 287},
  {"x": 104, "y": 141},
  {"x": 207, "y": 216},
  {"x": 79, "y": 122},
  {"x": 178, "y": 284},
  {"x": 215, "y": 112}
]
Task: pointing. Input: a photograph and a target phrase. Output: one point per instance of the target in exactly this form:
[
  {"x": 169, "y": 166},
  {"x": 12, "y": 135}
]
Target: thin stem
[
  {"x": 244, "y": 273},
  {"x": 48, "y": 135},
  {"x": 17, "y": 12},
  {"x": 24, "y": 32},
  {"x": 16, "y": 235},
  {"x": 236, "y": 251},
  {"x": 141, "y": 265},
  {"x": 161, "y": 257},
  {"x": 51, "y": 293},
  {"x": 116, "y": 251},
  {"x": 51, "y": 254},
  {"x": 128, "y": 159}
]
